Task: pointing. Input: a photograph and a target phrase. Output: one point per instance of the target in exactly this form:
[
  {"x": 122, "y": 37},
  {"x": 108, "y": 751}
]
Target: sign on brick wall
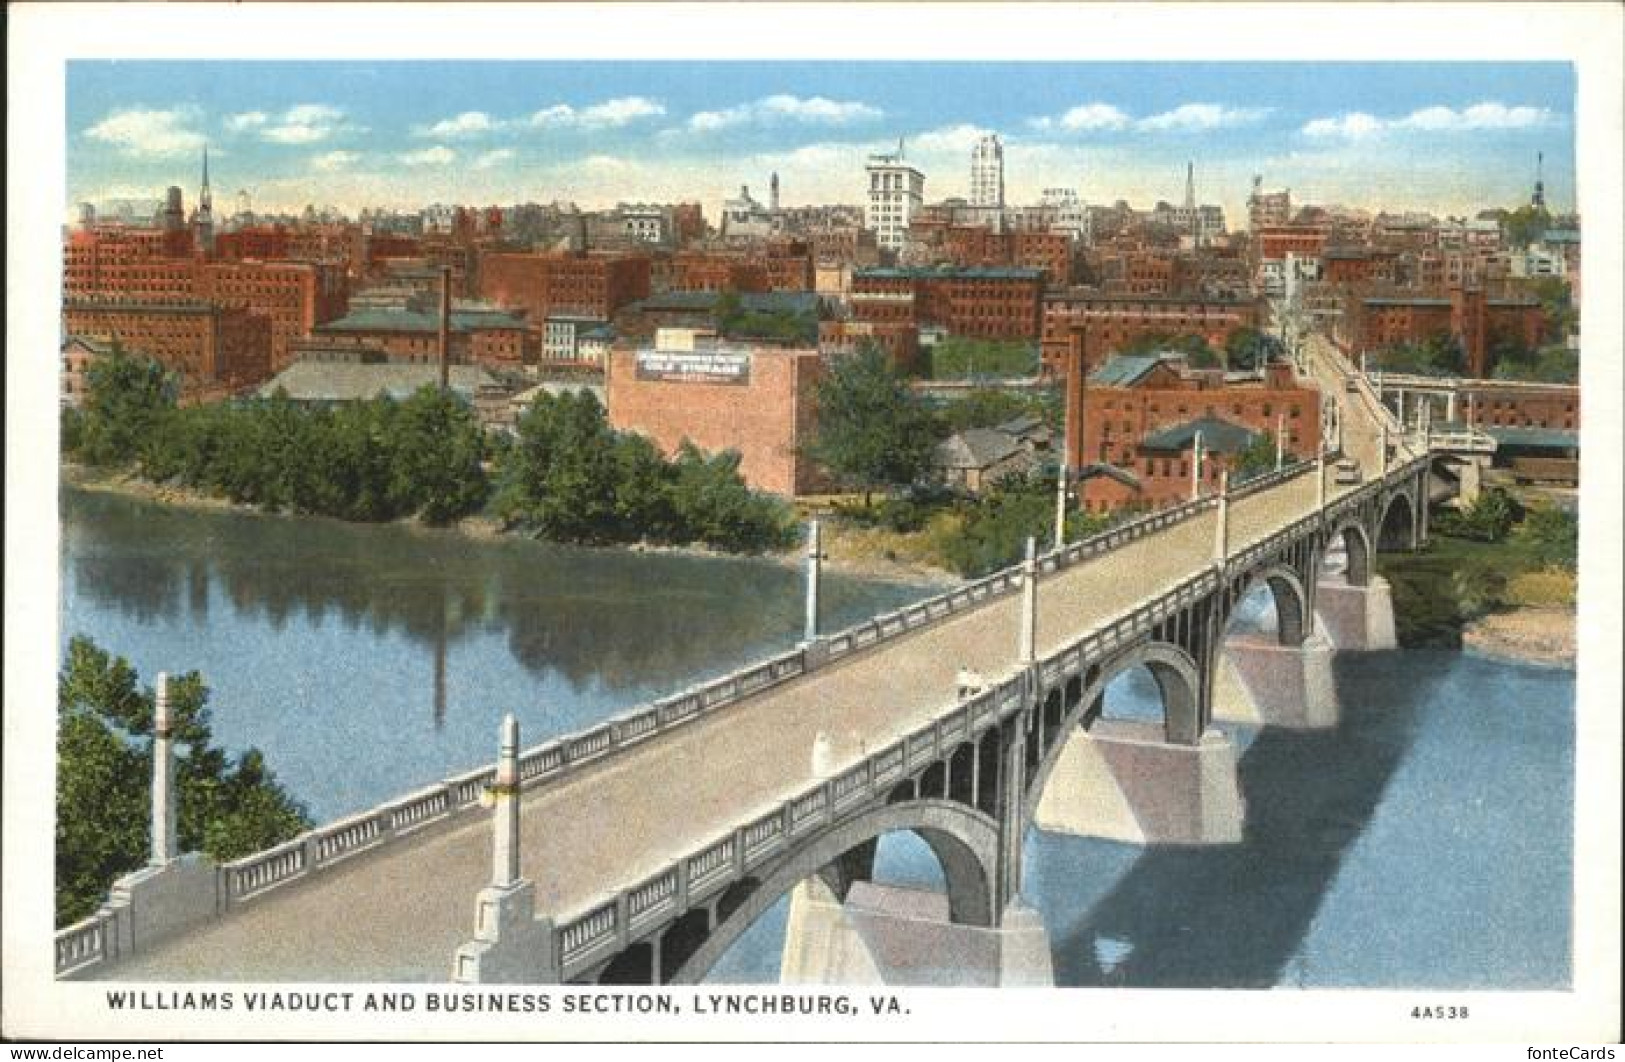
[{"x": 693, "y": 367}]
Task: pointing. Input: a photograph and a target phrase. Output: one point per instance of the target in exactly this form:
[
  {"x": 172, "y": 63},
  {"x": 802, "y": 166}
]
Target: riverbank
[
  {"x": 846, "y": 555},
  {"x": 1540, "y": 636}
]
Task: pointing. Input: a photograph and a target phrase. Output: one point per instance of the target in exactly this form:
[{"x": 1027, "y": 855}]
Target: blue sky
[{"x": 1446, "y": 137}]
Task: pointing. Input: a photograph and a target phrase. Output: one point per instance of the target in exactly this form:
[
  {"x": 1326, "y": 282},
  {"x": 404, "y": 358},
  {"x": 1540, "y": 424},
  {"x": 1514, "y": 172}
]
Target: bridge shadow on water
[{"x": 1233, "y": 916}]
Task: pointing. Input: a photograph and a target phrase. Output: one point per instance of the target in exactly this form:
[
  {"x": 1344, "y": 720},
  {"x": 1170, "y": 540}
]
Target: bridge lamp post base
[
  {"x": 510, "y": 945},
  {"x": 159, "y": 901},
  {"x": 1121, "y": 780}
]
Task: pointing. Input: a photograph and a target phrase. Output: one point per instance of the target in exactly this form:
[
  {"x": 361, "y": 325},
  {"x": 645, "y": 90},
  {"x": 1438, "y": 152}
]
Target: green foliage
[
  {"x": 736, "y": 322},
  {"x": 375, "y": 460},
  {"x": 1525, "y": 225},
  {"x": 570, "y": 478},
  {"x": 1248, "y": 348},
  {"x": 1198, "y": 354},
  {"x": 994, "y": 528},
  {"x": 126, "y": 400},
  {"x": 1557, "y": 304},
  {"x": 986, "y": 407},
  {"x": 1438, "y": 355},
  {"x": 959, "y": 358},
  {"x": 873, "y": 430},
  {"x": 1487, "y": 519},
  {"x": 1550, "y": 364},
  {"x": 1550, "y": 537},
  {"x": 227, "y": 808},
  {"x": 1256, "y": 460}
]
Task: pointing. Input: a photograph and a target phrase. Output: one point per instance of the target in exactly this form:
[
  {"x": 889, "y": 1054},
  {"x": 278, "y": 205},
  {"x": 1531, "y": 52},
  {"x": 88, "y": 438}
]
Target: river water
[{"x": 1426, "y": 842}]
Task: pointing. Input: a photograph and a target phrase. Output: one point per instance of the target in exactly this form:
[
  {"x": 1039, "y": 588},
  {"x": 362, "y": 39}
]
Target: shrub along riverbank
[
  {"x": 566, "y": 476},
  {"x": 1495, "y": 557}
]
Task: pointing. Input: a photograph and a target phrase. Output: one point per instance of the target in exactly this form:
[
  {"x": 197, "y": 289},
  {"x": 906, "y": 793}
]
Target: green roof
[
  {"x": 1126, "y": 370},
  {"x": 1218, "y": 435},
  {"x": 1535, "y": 438},
  {"x": 379, "y": 320}
]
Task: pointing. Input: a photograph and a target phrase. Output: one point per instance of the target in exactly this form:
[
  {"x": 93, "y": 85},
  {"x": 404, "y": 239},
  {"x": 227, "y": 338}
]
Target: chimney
[
  {"x": 1076, "y": 366},
  {"x": 445, "y": 329}
]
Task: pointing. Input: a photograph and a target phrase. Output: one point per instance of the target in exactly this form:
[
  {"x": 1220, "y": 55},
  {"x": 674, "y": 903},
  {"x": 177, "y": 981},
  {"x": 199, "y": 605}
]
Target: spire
[
  {"x": 1538, "y": 200},
  {"x": 1190, "y": 186}
]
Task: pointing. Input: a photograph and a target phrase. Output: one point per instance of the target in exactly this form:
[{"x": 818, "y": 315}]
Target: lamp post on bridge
[
  {"x": 1029, "y": 604},
  {"x": 1280, "y": 440},
  {"x": 815, "y": 564},
  {"x": 505, "y": 792},
  {"x": 1196, "y": 468},
  {"x": 1221, "y": 531},
  {"x": 1320, "y": 475},
  {"x": 1060, "y": 505},
  {"x": 165, "y": 839}
]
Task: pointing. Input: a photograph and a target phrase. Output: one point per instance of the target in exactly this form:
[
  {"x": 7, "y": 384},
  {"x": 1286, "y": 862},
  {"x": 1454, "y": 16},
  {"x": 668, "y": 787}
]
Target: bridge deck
[{"x": 399, "y": 912}]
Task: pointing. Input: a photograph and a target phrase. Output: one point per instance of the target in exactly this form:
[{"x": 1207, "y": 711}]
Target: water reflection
[
  {"x": 613, "y": 620},
  {"x": 366, "y": 661}
]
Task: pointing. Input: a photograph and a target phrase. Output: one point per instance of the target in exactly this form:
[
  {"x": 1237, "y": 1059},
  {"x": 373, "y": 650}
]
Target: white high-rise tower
[
  {"x": 987, "y": 173},
  {"x": 896, "y": 193}
]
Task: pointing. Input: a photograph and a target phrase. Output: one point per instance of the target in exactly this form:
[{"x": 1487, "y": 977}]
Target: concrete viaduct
[{"x": 639, "y": 850}]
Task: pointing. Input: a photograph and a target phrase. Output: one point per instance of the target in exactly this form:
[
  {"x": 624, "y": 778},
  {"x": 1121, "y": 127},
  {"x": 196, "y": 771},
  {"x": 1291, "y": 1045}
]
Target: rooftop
[
  {"x": 1218, "y": 435},
  {"x": 323, "y": 381},
  {"x": 976, "y": 448},
  {"x": 374, "y": 319},
  {"x": 1126, "y": 370},
  {"x": 949, "y": 272}
]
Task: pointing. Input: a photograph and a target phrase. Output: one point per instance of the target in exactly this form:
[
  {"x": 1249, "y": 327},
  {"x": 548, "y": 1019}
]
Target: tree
[
  {"x": 1194, "y": 348},
  {"x": 559, "y": 479},
  {"x": 126, "y": 400},
  {"x": 1551, "y": 537},
  {"x": 227, "y": 808},
  {"x": 436, "y": 470},
  {"x": 1248, "y": 348},
  {"x": 1525, "y": 225},
  {"x": 873, "y": 430},
  {"x": 1257, "y": 459}
]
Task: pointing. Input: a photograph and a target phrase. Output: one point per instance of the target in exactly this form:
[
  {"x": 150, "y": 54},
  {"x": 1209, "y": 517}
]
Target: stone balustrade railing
[{"x": 84, "y": 943}]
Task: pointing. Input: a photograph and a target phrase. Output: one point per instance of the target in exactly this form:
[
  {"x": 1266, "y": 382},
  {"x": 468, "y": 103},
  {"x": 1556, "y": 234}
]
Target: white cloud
[
  {"x": 609, "y": 114},
  {"x": 949, "y": 138},
  {"x": 781, "y": 108},
  {"x": 469, "y": 123},
  {"x": 493, "y": 158},
  {"x": 334, "y": 160},
  {"x": 237, "y": 123},
  {"x": 1436, "y": 119},
  {"x": 307, "y": 123},
  {"x": 153, "y": 133},
  {"x": 439, "y": 155},
  {"x": 1086, "y": 117},
  {"x": 1195, "y": 117}
]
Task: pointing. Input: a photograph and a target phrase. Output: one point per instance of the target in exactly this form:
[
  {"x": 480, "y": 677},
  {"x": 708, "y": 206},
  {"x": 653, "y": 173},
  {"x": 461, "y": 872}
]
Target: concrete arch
[
  {"x": 1357, "y": 546},
  {"x": 965, "y": 842},
  {"x": 1291, "y": 599},
  {"x": 1392, "y": 535},
  {"x": 1179, "y": 681}
]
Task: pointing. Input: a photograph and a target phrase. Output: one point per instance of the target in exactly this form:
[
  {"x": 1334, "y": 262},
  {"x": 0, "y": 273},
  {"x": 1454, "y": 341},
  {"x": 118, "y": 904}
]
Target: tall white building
[
  {"x": 987, "y": 173},
  {"x": 896, "y": 192}
]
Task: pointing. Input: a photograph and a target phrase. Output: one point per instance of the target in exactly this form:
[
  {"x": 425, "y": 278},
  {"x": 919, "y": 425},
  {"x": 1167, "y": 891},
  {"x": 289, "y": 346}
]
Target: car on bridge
[{"x": 1346, "y": 472}]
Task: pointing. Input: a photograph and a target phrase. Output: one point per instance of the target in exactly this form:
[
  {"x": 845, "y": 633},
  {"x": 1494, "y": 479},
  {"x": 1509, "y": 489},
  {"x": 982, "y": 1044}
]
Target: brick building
[
  {"x": 543, "y": 285},
  {"x": 982, "y": 303},
  {"x": 487, "y": 338},
  {"x": 211, "y": 348},
  {"x": 1104, "y": 323},
  {"x": 1375, "y": 322},
  {"x": 901, "y": 342},
  {"x": 758, "y": 401},
  {"x": 295, "y": 296},
  {"x": 1140, "y": 416},
  {"x": 1487, "y": 404}
]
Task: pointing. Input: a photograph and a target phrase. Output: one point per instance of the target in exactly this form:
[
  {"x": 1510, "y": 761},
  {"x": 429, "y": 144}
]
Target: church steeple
[
  {"x": 205, "y": 201},
  {"x": 1538, "y": 200},
  {"x": 203, "y": 216}
]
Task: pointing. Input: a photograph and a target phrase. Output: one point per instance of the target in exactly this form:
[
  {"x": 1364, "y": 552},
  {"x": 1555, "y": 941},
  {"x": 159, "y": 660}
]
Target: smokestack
[
  {"x": 1072, "y": 430},
  {"x": 445, "y": 329}
]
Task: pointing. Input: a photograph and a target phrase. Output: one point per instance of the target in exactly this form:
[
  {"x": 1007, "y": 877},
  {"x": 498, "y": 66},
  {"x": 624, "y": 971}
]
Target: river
[{"x": 1425, "y": 842}]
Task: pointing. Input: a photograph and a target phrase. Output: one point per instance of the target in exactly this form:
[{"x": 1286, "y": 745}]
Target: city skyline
[{"x": 1440, "y": 137}]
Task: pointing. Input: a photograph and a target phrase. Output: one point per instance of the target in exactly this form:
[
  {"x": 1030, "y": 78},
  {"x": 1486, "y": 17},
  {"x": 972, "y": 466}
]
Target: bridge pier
[
  {"x": 1264, "y": 683},
  {"x": 1122, "y": 780},
  {"x": 1357, "y": 618},
  {"x": 892, "y": 935}
]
